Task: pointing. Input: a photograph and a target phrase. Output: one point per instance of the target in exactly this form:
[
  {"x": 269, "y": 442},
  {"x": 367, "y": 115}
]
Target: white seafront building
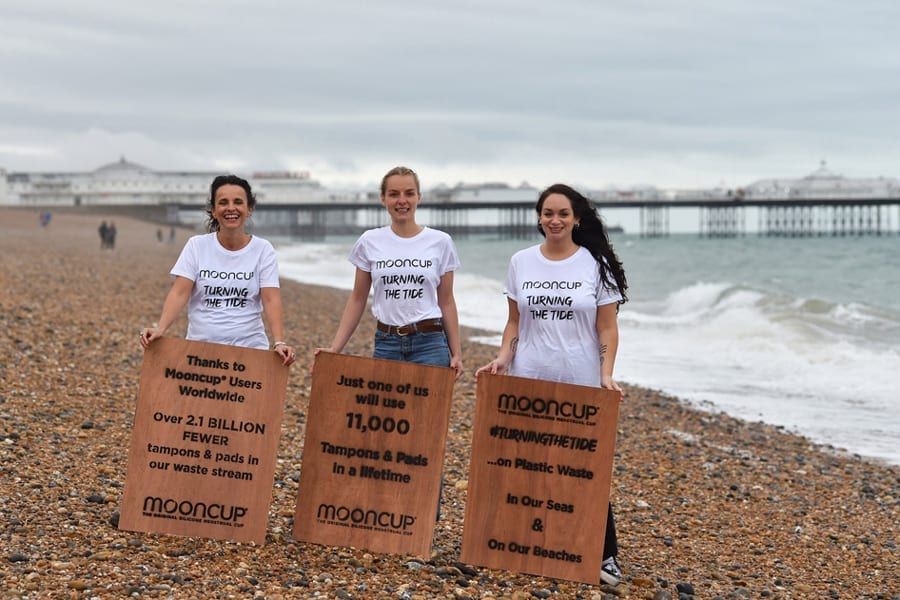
[
  {"x": 822, "y": 184},
  {"x": 127, "y": 183},
  {"x": 487, "y": 193},
  {"x": 4, "y": 185}
]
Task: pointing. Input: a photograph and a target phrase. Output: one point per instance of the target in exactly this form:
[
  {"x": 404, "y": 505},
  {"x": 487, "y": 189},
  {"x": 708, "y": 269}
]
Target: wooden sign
[
  {"x": 539, "y": 477},
  {"x": 373, "y": 454},
  {"x": 206, "y": 431}
]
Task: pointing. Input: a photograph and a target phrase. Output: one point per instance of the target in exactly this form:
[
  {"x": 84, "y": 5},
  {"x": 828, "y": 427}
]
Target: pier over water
[{"x": 725, "y": 218}]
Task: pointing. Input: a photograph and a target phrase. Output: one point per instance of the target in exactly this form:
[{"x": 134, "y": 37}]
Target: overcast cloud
[{"x": 595, "y": 93}]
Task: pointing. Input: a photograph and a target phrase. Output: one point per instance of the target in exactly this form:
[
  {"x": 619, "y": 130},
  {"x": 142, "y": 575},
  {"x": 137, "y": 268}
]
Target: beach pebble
[
  {"x": 415, "y": 565},
  {"x": 685, "y": 588}
]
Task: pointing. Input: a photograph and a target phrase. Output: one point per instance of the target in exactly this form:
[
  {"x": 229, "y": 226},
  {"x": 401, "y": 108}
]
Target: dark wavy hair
[
  {"x": 591, "y": 234},
  {"x": 212, "y": 224}
]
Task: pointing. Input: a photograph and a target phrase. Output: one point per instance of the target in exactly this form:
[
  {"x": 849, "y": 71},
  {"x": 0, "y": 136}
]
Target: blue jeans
[{"x": 428, "y": 348}]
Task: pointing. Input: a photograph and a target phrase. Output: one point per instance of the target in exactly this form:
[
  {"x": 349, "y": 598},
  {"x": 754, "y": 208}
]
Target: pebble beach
[{"x": 707, "y": 505}]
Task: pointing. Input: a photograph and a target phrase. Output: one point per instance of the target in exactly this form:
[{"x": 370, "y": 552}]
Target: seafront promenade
[{"x": 704, "y": 502}]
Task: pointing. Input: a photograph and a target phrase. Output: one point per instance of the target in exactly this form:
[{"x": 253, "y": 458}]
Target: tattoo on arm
[
  {"x": 602, "y": 353},
  {"x": 513, "y": 344}
]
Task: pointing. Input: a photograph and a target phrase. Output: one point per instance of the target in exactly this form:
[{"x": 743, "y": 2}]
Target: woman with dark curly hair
[{"x": 228, "y": 278}]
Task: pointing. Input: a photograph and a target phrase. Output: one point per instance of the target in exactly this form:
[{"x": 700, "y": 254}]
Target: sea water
[{"x": 798, "y": 332}]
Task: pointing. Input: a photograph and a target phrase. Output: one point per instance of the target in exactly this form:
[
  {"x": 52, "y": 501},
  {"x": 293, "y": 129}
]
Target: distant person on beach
[
  {"x": 410, "y": 268},
  {"x": 159, "y": 236},
  {"x": 107, "y": 233},
  {"x": 224, "y": 309},
  {"x": 45, "y": 218},
  {"x": 111, "y": 236},
  {"x": 102, "y": 230},
  {"x": 171, "y": 235},
  {"x": 581, "y": 350}
]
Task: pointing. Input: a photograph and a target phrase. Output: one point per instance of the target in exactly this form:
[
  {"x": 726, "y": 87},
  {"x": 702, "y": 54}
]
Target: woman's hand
[
  {"x": 456, "y": 363},
  {"x": 495, "y": 367},
  {"x": 609, "y": 384},
  {"x": 148, "y": 334},
  {"x": 287, "y": 353},
  {"x": 312, "y": 368}
]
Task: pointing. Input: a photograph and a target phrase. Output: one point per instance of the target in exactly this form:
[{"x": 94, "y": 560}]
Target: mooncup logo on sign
[
  {"x": 365, "y": 517},
  {"x": 546, "y": 408},
  {"x": 170, "y": 508}
]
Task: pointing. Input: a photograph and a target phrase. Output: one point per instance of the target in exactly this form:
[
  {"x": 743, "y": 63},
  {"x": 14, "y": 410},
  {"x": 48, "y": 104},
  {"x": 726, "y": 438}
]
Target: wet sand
[{"x": 704, "y": 502}]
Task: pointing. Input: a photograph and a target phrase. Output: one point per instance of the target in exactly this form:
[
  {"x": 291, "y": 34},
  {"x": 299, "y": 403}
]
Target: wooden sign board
[
  {"x": 539, "y": 477},
  {"x": 206, "y": 431},
  {"x": 373, "y": 454}
]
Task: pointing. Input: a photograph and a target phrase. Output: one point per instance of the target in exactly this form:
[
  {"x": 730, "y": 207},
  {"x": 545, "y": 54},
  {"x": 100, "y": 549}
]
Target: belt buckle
[{"x": 402, "y": 332}]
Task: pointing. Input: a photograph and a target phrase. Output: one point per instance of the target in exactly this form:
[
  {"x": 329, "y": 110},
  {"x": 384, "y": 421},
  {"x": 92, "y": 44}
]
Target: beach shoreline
[{"x": 702, "y": 498}]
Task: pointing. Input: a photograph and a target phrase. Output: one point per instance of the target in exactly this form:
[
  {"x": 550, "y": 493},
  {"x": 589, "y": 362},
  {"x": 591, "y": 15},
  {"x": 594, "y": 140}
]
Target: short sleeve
[
  {"x": 187, "y": 264},
  {"x": 268, "y": 267}
]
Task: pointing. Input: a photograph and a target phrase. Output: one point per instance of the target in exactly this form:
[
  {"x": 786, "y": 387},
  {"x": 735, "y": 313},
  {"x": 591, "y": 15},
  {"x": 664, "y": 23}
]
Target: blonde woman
[{"x": 409, "y": 268}]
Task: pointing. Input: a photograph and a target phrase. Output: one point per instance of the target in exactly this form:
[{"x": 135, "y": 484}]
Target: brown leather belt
[{"x": 421, "y": 327}]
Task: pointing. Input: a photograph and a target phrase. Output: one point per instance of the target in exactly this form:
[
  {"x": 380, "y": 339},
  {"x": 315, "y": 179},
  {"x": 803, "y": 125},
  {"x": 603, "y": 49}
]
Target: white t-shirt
[
  {"x": 557, "y": 301},
  {"x": 225, "y": 306},
  {"x": 405, "y": 272}
]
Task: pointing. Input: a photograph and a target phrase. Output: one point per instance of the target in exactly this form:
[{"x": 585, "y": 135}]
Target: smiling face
[
  {"x": 401, "y": 197},
  {"x": 557, "y": 219},
  {"x": 230, "y": 207}
]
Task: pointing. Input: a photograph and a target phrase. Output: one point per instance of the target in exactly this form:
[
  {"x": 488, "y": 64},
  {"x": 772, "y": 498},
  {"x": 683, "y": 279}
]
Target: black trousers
[{"x": 610, "y": 544}]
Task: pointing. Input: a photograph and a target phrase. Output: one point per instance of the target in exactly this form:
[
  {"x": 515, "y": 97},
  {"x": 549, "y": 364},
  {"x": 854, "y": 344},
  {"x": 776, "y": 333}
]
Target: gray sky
[{"x": 588, "y": 92}]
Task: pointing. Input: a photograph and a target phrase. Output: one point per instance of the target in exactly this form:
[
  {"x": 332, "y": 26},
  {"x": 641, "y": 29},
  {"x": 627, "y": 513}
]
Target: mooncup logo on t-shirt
[
  {"x": 403, "y": 263},
  {"x": 551, "y": 285},
  {"x": 210, "y": 274}
]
